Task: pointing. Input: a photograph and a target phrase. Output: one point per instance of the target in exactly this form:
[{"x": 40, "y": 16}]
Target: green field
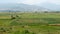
[{"x": 30, "y": 23}]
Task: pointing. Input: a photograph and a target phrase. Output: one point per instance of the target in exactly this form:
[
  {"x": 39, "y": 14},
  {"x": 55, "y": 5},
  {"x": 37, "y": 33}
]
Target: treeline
[
  {"x": 52, "y": 12},
  {"x": 47, "y": 12}
]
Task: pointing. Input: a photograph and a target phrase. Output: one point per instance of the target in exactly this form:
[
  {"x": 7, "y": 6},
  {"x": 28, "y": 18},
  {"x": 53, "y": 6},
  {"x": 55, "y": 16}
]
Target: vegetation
[{"x": 29, "y": 23}]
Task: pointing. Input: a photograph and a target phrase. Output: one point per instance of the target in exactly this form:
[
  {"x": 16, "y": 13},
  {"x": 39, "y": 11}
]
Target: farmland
[{"x": 29, "y": 23}]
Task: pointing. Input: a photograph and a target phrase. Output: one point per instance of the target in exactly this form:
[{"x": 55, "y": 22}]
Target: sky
[{"x": 31, "y": 2}]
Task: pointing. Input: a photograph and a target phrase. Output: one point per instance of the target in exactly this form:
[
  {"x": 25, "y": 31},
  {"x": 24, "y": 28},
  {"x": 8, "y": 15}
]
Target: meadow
[{"x": 29, "y": 23}]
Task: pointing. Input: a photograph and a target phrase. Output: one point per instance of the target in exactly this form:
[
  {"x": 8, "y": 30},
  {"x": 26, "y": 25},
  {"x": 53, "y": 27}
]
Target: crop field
[{"x": 30, "y": 23}]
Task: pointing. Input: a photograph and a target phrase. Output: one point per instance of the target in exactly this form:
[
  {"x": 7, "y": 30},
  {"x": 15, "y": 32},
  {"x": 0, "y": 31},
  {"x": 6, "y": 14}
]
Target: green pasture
[{"x": 29, "y": 23}]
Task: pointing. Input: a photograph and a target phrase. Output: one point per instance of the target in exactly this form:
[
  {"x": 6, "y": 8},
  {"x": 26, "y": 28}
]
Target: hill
[{"x": 21, "y": 7}]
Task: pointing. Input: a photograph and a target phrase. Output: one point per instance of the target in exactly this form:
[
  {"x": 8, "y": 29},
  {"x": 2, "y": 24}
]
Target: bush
[{"x": 14, "y": 23}]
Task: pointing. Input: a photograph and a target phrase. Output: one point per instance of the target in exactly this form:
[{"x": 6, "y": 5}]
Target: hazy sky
[{"x": 34, "y": 2}]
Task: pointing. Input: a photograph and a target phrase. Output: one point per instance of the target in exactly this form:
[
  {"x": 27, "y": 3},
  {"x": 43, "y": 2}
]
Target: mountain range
[
  {"x": 26, "y": 7},
  {"x": 21, "y": 7},
  {"x": 51, "y": 6}
]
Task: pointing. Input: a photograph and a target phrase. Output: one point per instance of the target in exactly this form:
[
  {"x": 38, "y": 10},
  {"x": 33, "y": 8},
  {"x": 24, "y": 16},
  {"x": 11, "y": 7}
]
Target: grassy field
[{"x": 30, "y": 23}]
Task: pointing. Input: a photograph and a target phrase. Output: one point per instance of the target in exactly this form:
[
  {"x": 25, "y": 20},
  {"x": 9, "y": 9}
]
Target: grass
[{"x": 30, "y": 23}]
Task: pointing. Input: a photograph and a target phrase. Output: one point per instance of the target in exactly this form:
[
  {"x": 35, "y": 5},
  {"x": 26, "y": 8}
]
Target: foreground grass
[{"x": 30, "y": 23}]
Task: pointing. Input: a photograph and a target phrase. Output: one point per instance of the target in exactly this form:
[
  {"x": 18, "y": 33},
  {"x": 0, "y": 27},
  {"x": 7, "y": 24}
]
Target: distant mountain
[
  {"x": 50, "y": 6},
  {"x": 21, "y": 7}
]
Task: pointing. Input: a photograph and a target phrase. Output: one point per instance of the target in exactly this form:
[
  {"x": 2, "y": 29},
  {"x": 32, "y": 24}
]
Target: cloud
[
  {"x": 54, "y": 1},
  {"x": 39, "y": 1},
  {"x": 32, "y": 1},
  {"x": 10, "y": 1}
]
